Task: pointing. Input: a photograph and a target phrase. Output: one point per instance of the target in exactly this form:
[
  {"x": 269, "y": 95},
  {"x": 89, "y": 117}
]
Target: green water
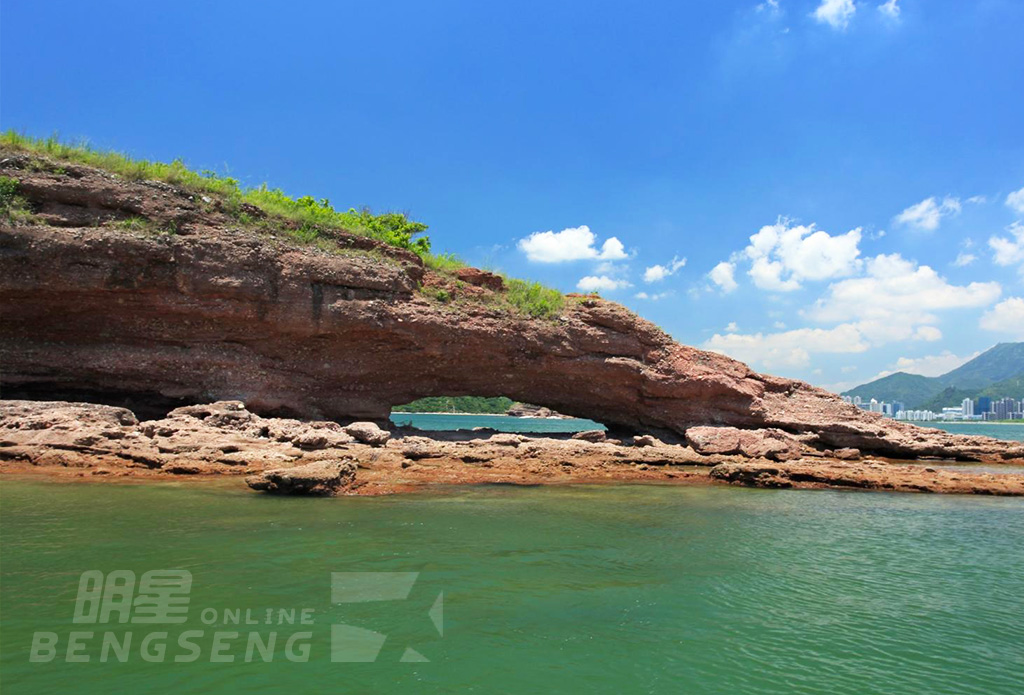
[{"x": 637, "y": 589}]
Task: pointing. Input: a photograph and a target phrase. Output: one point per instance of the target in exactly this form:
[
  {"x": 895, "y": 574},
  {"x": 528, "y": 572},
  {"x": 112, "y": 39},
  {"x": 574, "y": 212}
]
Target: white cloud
[
  {"x": 977, "y": 200},
  {"x": 652, "y": 297},
  {"x": 769, "y": 6},
  {"x": 890, "y": 9},
  {"x": 656, "y": 273},
  {"x": 896, "y": 296},
  {"x": 789, "y": 348},
  {"x": 836, "y": 13},
  {"x": 1005, "y": 317},
  {"x": 964, "y": 259},
  {"x": 782, "y": 256},
  {"x": 1009, "y": 250},
  {"x": 895, "y": 300},
  {"x": 600, "y": 283},
  {"x": 572, "y": 244},
  {"x": 779, "y": 326},
  {"x": 929, "y": 365},
  {"x": 732, "y": 327},
  {"x": 1015, "y": 201},
  {"x": 723, "y": 275},
  {"x": 929, "y": 212}
]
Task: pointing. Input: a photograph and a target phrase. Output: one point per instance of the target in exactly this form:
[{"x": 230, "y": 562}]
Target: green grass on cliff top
[{"x": 312, "y": 218}]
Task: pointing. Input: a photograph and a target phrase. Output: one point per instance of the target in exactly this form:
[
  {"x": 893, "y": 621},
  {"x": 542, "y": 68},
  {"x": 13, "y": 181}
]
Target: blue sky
[{"x": 874, "y": 150}]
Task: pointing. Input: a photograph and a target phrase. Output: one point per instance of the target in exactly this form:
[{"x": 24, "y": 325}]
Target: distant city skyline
[{"x": 982, "y": 408}]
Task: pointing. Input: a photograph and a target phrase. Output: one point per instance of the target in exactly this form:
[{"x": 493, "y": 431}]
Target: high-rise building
[
  {"x": 968, "y": 408},
  {"x": 1004, "y": 409},
  {"x": 983, "y": 405}
]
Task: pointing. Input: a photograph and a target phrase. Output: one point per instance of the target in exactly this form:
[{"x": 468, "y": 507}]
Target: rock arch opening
[{"x": 497, "y": 413}]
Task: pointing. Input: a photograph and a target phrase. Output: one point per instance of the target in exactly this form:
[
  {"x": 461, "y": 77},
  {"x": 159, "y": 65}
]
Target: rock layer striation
[{"x": 94, "y": 310}]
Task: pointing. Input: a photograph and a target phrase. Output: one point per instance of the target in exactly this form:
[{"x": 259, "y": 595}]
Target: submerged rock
[{"x": 320, "y": 478}]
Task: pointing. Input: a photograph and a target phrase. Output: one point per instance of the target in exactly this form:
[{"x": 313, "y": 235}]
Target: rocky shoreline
[{"x": 279, "y": 455}]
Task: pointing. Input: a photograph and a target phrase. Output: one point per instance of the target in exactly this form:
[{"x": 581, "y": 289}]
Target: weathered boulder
[
  {"x": 416, "y": 448},
  {"x": 771, "y": 444},
  {"x": 506, "y": 439},
  {"x": 368, "y": 433},
  {"x": 481, "y": 278},
  {"x": 591, "y": 435},
  {"x": 319, "y": 478}
]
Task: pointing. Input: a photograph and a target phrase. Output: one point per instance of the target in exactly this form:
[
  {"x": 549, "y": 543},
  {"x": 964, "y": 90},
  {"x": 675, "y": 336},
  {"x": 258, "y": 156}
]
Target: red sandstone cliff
[{"x": 95, "y": 311}]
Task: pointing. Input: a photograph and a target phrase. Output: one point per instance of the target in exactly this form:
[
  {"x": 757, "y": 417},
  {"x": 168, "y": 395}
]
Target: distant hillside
[
  {"x": 1002, "y": 362},
  {"x": 998, "y": 372},
  {"x": 457, "y": 404},
  {"x": 910, "y": 389},
  {"x": 952, "y": 396}
]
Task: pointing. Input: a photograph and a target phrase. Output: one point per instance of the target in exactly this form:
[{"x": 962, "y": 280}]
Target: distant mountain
[
  {"x": 998, "y": 372},
  {"x": 457, "y": 404},
  {"x": 951, "y": 395},
  {"x": 910, "y": 389},
  {"x": 1004, "y": 361}
]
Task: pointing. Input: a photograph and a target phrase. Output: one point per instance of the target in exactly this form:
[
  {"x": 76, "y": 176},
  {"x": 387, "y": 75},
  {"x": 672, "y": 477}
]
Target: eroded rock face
[
  {"x": 866, "y": 475},
  {"x": 98, "y": 313},
  {"x": 320, "y": 478},
  {"x": 210, "y": 438}
]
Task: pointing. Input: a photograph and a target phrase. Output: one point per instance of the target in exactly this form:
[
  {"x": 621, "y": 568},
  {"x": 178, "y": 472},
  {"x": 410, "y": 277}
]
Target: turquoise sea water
[
  {"x": 431, "y": 421},
  {"x": 1010, "y": 432},
  {"x": 612, "y": 589}
]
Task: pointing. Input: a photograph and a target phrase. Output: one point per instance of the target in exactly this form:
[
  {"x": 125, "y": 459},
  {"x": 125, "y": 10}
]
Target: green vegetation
[
  {"x": 533, "y": 298},
  {"x": 8, "y": 191},
  {"x": 13, "y": 208},
  {"x": 307, "y": 220},
  {"x": 1004, "y": 361},
  {"x": 446, "y": 263},
  {"x": 457, "y": 404},
  {"x": 910, "y": 389},
  {"x": 436, "y": 293},
  {"x": 953, "y": 396},
  {"x": 312, "y": 218}
]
